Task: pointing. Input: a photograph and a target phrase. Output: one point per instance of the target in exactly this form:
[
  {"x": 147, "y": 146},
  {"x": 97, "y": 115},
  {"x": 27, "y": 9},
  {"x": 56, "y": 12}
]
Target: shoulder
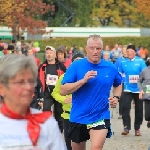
[
  {"x": 68, "y": 60},
  {"x": 137, "y": 58},
  {"x": 43, "y": 64},
  {"x": 106, "y": 63},
  {"x": 147, "y": 69},
  {"x": 62, "y": 66},
  {"x": 79, "y": 62}
]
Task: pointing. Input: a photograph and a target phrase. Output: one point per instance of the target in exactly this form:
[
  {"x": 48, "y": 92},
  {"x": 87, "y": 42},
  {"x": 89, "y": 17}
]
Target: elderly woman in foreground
[{"x": 20, "y": 126}]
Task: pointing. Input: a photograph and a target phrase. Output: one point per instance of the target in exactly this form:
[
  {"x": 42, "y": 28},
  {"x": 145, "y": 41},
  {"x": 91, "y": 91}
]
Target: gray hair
[
  {"x": 11, "y": 64},
  {"x": 95, "y": 38}
]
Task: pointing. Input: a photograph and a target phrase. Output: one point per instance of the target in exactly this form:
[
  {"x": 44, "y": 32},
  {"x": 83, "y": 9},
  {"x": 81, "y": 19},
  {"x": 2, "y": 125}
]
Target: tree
[
  {"x": 25, "y": 15},
  {"x": 143, "y": 7},
  {"x": 4, "y": 10},
  {"x": 113, "y": 12}
]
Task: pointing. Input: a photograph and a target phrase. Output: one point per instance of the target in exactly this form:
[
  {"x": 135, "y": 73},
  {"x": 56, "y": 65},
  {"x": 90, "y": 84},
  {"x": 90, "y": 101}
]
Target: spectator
[{"x": 62, "y": 56}]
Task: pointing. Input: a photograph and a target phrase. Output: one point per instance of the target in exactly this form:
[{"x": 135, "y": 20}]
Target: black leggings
[
  {"x": 147, "y": 110},
  {"x": 126, "y": 107},
  {"x": 67, "y": 139}
]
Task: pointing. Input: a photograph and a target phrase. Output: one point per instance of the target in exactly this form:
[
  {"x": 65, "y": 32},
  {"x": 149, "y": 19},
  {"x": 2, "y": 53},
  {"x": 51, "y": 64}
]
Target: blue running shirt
[
  {"x": 90, "y": 102},
  {"x": 132, "y": 69}
]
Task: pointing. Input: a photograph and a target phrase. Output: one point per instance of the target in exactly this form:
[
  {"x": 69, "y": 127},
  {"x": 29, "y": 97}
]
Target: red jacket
[
  {"x": 61, "y": 69},
  {"x": 37, "y": 61},
  {"x": 67, "y": 62}
]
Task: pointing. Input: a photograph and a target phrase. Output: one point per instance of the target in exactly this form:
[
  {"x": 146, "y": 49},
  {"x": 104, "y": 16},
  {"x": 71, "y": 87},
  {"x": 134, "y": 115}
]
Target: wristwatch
[{"x": 116, "y": 97}]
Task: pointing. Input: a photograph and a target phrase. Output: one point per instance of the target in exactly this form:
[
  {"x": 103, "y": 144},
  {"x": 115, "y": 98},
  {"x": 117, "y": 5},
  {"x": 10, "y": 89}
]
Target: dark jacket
[
  {"x": 61, "y": 69},
  {"x": 38, "y": 94}
]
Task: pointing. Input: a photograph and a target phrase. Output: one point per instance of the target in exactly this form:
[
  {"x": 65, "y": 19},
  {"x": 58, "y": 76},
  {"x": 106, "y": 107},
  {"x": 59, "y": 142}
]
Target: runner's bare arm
[
  {"x": 117, "y": 90},
  {"x": 117, "y": 93},
  {"x": 69, "y": 88}
]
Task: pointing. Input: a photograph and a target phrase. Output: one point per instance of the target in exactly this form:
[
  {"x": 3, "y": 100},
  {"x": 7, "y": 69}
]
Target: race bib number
[
  {"x": 51, "y": 79},
  {"x": 147, "y": 89},
  {"x": 133, "y": 78}
]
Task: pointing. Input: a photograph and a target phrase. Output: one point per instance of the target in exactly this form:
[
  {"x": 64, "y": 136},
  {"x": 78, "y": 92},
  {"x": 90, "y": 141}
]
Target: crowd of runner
[{"x": 74, "y": 84}]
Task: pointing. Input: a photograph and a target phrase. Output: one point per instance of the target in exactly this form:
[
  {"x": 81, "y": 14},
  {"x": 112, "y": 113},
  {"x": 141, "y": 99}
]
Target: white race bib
[
  {"x": 51, "y": 79},
  {"x": 133, "y": 78}
]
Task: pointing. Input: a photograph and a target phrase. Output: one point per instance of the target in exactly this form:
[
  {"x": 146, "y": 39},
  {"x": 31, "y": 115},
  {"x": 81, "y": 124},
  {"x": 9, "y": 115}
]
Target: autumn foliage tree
[
  {"x": 114, "y": 12},
  {"x": 143, "y": 7},
  {"x": 21, "y": 15}
]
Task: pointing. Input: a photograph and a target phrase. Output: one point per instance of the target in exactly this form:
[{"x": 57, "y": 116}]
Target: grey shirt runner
[{"x": 144, "y": 82}]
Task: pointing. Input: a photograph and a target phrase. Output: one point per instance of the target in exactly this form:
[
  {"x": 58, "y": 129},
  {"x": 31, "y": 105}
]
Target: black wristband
[{"x": 116, "y": 97}]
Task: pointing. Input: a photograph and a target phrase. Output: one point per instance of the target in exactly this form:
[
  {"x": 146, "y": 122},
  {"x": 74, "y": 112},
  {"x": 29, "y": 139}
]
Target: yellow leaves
[
  {"x": 143, "y": 7},
  {"x": 113, "y": 11}
]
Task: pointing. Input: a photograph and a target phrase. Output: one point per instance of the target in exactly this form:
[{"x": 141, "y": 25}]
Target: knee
[{"x": 96, "y": 147}]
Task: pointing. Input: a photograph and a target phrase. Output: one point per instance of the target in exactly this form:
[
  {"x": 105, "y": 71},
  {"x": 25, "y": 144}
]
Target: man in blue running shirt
[
  {"x": 90, "y": 80},
  {"x": 131, "y": 68}
]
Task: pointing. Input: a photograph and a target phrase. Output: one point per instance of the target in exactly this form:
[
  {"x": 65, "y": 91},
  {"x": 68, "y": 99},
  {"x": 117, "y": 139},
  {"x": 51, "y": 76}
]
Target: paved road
[{"x": 129, "y": 142}]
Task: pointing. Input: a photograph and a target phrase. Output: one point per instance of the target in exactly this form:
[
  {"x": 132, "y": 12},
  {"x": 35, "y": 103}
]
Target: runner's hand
[
  {"x": 68, "y": 100},
  {"x": 89, "y": 75},
  {"x": 141, "y": 94},
  {"x": 113, "y": 101}
]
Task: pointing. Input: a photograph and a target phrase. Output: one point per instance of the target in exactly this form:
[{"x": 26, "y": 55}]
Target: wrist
[{"x": 117, "y": 97}]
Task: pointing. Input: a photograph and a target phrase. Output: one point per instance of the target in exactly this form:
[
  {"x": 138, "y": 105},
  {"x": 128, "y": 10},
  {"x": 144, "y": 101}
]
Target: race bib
[
  {"x": 51, "y": 79},
  {"x": 133, "y": 78},
  {"x": 147, "y": 89}
]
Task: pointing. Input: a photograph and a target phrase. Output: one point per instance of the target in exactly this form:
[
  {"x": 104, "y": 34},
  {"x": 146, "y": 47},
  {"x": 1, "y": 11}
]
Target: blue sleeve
[
  {"x": 120, "y": 68},
  {"x": 70, "y": 74},
  {"x": 117, "y": 63},
  {"x": 118, "y": 80}
]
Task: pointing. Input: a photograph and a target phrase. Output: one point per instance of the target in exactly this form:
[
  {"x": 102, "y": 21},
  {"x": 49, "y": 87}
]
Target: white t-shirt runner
[{"x": 14, "y": 135}]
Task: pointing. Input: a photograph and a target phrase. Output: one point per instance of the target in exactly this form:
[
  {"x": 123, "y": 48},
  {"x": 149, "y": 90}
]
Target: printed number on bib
[
  {"x": 147, "y": 88},
  {"x": 133, "y": 78},
  {"x": 51, "y": 79}
]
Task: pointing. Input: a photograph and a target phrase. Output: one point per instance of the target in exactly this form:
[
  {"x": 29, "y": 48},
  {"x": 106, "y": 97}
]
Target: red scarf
[{"x": 34, "y": 120}]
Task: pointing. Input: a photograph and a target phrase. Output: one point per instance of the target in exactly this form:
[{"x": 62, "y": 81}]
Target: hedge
[{"x": 81, "y": 42}]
